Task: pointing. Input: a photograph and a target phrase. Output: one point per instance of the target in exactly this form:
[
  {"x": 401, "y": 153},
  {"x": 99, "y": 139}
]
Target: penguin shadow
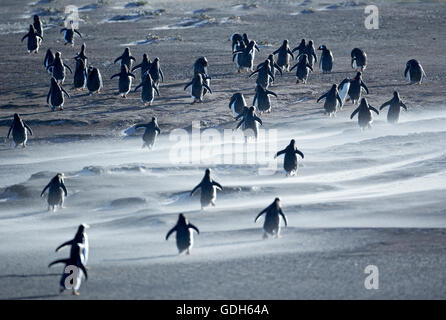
[
  {"x": 391, "y": 85},
  {"x": 142, "y": 258},
  {"x": 24, "y": 276}
]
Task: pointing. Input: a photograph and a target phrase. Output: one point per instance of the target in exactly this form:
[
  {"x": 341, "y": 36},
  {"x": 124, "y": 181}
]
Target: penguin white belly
[
  {"x": 233, "y": 109},
  {"x": 355, "y": 65},
  {"x": 191, "y": 238},
  {"x": 65, "y": 36},
  {"x": 84, "y": 255},
  {"x": 343, "y": 92}
]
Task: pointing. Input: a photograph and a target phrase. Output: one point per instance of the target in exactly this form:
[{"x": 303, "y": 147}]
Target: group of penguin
[{"x": 243, "y": 51}]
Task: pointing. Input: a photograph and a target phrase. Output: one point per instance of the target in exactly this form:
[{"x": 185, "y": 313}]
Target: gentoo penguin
[
  {"x": 244, "y": 57},
  {"x": 80, "y": 75},
  {"x": 201, "y": 66},
  {"x": 18, "y": 129},
  {"x": 37, "y": 24},
  {"x": 290, "y": 161},
  {"x": 262, "y": 99},
  {"x": 343, "y": 88},
  {"x": 126, "y": 58},
  {"x": 125, "y": 80},
  {"x": 144, "y": 65},
  {"x": 356, "y": 85},
  {"x": 249, "y": 121},
  {"x": 365, "y": 117},
  {"x": 326, "y": 60},
  {"x": 283, "y": 56},
  {"x": 155, "y": 71},
  {"x": 272, "y": 219},
  {"x": 331, "y": 100},
  {"x": 208, "y": 188},
  {"x": 310, "y": 52},
  {"x": 395, "y": 104},
  {"x": 82, "y": 238},
  {"x": 56, "y": 190},
  {"x": 68, "y": 34},
  {"x": 301, "y": 48},
  {"x": 414, "y": 71},
  {"x": 265, "y": 76},
  {"x": 150, "y": 133},
  {"x": 81, "y": 55},
  {"x": 34, "y": 40},
  {"x": 359, "y": 59},
  {"x": 246, "y": 41},
  {"x": 198, "y": 84},
  {"x": 49, "y": 59},
  {"x": 236, "y": 39},
  {"x": 273, "y": 66},
  {"x": 148, "y": 90},
  {"x": 237, "y": 103},
  {"x": 185, "y": 238},
  {"x": 75, "y": 260},
  {"x": 94, "y": 80},
  {"x": 55, "y": 98},
  {"x": 57, "y": 68},
  {"x": 302, "y": 70}
]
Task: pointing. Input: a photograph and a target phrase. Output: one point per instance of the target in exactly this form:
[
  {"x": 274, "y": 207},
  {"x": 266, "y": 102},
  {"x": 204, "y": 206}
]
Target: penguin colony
[{"x": 281, "y": 60}]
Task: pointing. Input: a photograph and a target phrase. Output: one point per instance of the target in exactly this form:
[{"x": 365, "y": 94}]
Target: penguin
[
  {"x": 125, "y": 80},
  {"x": 19, "y": 131},
  {"x": 198, "y": 84},
  {"x": 144, "y": 65},
  {"x": 359, "y": 59},
  {"x": 56, "y": 190},
  {"x": 68, "y": 34},
  {"x": 290, "y": 161},
  {"x": 148, "y": 90},
  {"x": 37, "y": 24},
  {"x": 310, "y": 52},
  {"x": 265, "y": 76},
  {"x": 414, "y": 71},
  {"x": 82, "y": 238},
  {"x": 272, "y": 219},
  {"x": 81, "y": 55},
  {"x": 236, "y": 38},
  {"x": 246, "y": 41},
  {"x": 273, "y": 66},
  {"x": 150, "y": 133},
  {"x": 155, "y": 71},
  {"x": 237, "y": 103},
  {"x": 49, "y": 59},
  {"x": 201, "y": 66},
  {"x": 126, "y": 58},
  {"x": 326, "y": 60},
  {"x": 34, "y": 40},
  {"x": 55, "y": 98},
  {"x": 185, "y": 238},
  {"x": 283, "y": 53},
  {"x": 302, "y": 70},
  {"x": 58, "y": 68},
  {"x": 94, "y": 80},
  {"x": 343, "y": 88},
  {"x": 249, "y": 121},
  {"x": 364, "y": 111},
  {"x": 208, "y": 188},
  {"x": 331, "y": 100},
  {"x": 244, "y": 57},
  {"x": 262, "y": 99},
  {"x": 75, "y": 259},
  {"x": 300, "y": 48},
  {"x": 356, "y": 85},
  {"x": 80, "y": 75},
  {"x": 395, "y": 104}
]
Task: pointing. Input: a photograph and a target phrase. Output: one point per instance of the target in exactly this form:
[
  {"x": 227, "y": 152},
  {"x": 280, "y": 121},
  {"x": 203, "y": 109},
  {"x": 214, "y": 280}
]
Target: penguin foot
[
  {"x": 265, "y": 236},
  {"x": 76, "y": 293}
]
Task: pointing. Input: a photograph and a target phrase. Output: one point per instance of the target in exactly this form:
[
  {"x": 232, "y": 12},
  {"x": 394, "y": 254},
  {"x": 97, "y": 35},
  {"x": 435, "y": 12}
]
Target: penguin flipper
[
  {"x": 260, "y": 214},
  {"x": 385, "y": 104},
  {"x": 69, "y": 242},
  {"x": 66, "y": 261},
  {"x": 402, "y": 105},
  {"x": 284, "y": 217},
  {"x": 364, "y": 86},
  {"x": 9, "y": 132},
  {"x": 195, "y": 189},
  {"x": 215, "y": 183},
  {"x": 25, "y": 36},
  {"x": 62, "y": 185},
  {"x": 207, "y": 87},
  {"x": 280, "y": 153},
  {"x": 271, "y": 93},
  {"x": 78, "y": 32},
  {"x": 354, "y": 113},
  {"x": 170, "y": 232},
  {"x": 84, "y": 270},
  {"x": 187, "y": 85},
  {"x": 299, "y": 153},
  {"x": 373, "y": 109},
  {"x": 193, "y": 227},
  {"x": 44, "y": 189},
  {"x": 29, "y": 129},
  {"x": 322, "y": 97}
]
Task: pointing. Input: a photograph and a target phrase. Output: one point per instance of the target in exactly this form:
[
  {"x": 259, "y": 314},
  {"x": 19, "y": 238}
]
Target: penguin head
[
  {"x": 271, "y": 57},
  {"x": 322, "y": 47},
  {"x": 16, "y": 117},
  {"x": 154, "y": 119},
  {"x": 277, "y": 201},
  {"x": 127, "y": 50},
  {"x": 358, "y": 75},
  {"x": 145, "y": 57},
  {"x": 292, "y": 142},
  {"x": 364, "y": 103},
  {"x": 182, "y": 219},
  {"x": 334, "y": 87},
  {"x": 285, "y": 42},
  {"x": 83, "y": 47},
  {"x": 207, "y": 173},
  {"x": 82, "y": 228},
  {"x": 302, "y": 42},
  {"x": 156, "y": 60},
  {"x": 245, "y": 37},
  {"x": 58, "y": 54},
  {"x": 310, "y": 43},
  {"x": 36, "y": 18},
  {"x": 396, "y": 94},
  {"x": 203, "y": 61}
]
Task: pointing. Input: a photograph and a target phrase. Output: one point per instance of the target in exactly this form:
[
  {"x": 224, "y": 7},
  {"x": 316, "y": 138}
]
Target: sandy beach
[{"x": 360, "y": 198}]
